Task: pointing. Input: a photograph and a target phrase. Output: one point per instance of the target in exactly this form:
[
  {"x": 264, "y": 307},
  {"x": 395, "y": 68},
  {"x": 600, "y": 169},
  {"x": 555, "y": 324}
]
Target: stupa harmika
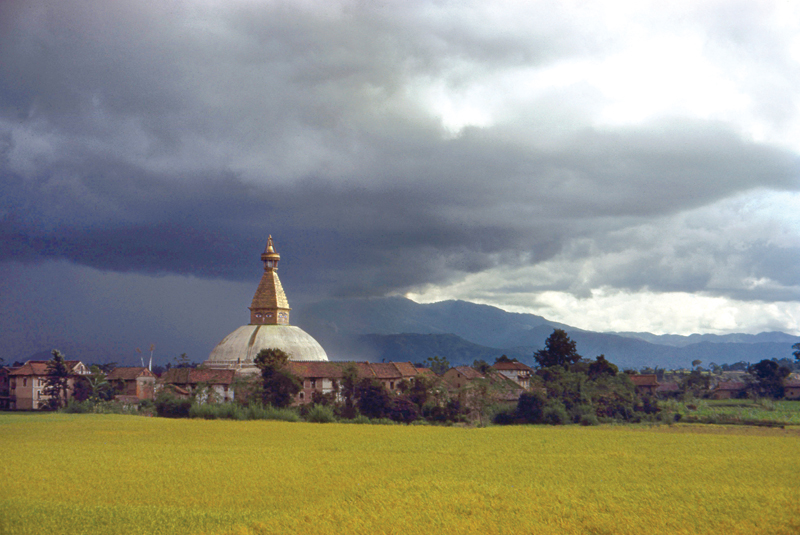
[{"x": 269, "y": 326}]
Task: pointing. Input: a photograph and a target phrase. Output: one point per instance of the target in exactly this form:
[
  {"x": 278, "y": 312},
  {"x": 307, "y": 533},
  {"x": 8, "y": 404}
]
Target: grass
[
  {"x": 93, "y": 473},
  {"x": 738, "y": 411}
]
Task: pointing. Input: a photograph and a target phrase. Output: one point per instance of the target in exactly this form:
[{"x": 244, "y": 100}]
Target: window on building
[
  {"x": 302, "y": 395},
  {"x": 313, "y": 383},
  {"x": 24, "y": 381}
]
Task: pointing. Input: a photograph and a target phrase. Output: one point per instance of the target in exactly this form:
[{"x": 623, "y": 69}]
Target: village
[
  {"x": 234, "y": 373},
  {"x": 24, "y": 387}
]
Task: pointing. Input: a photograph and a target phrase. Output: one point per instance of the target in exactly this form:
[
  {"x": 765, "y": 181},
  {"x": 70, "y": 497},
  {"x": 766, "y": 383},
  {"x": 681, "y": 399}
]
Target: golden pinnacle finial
[{"x": 269, "y": 256}]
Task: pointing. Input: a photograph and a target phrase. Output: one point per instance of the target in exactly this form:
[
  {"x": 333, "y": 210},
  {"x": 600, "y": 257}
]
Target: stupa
[{"x": 269, "y": 326}]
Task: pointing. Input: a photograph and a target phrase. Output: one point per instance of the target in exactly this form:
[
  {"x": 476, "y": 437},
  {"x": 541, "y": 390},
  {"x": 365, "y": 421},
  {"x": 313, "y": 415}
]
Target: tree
[
  {"x": 56, "y": 381},
  {"x": 107, "y": 367},
  {"x": 796, "y": 352},
  {"x": 696, "y": 363},
  {"x": 183, "y": 361},
  {"x": 696, "y": 384},
  {"x": 81, "y": 391},
  {"x": 530, "y": 407},
  {"x": 769, "y": 377},
  {"x": 349, "y": 381},
  {"x": 438, "y": 365},
  {"x": 100, "y": 388},
  {"x": 559, "y": 350},
  {"x": 480, "y": 396},
  {"x": 481, "y": 365},
  {"x": 373, "y": 399},
  {"x": 279, "y": 386},
  {"x": 601, "y": 366}
]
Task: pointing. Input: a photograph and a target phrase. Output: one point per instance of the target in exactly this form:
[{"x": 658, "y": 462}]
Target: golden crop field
[{"x": 86, "y": 474}]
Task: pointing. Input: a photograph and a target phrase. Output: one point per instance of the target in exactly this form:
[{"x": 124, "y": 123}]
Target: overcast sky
[{"x": 610, "y": 165}]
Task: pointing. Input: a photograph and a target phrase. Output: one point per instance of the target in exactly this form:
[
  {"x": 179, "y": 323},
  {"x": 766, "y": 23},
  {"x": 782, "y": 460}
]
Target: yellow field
[{"x": 87, "y": 474}]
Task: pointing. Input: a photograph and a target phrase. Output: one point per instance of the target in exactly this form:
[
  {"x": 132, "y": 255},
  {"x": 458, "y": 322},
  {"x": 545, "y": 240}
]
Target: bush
[
  {"x": 403, "y": 410},
  {"x": 320, "y": 414},
  {"x": 451, "y": 412},
  {"x": 96, "y": 407},
  {"x": 588, "y": 419},
  {"x": 78, "y": 407},
  {"x": 555, "y": 414},
  {"x": 360, "y": 419},
  {"x": 505, "y": 417},
  {"x": 169, "y": 406},
  {"x": 256, "y": 411},
  {"x": 218, "y": 411},
  {"x": 530, "y": 407},
  {"x": 579, "y": 412}
]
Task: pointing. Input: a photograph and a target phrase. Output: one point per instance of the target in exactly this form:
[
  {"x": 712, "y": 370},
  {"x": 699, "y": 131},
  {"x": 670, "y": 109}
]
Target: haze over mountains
[{"x": 399, "y": 329}]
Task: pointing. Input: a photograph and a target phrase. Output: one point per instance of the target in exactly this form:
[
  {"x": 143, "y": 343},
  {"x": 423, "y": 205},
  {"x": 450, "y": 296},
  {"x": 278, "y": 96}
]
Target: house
[
  {"x": 645, "y": 383},
  {"x": 27, "y": 383},
  {"x": 729, "y": 390},
  {"x": 326, "y": 377},
  {"x": 465, "y": 378},
  {"x": 316, "y": 376},
  {"x": 390, "y": 374},
  {"x": 134, "y": 382},
  {"x": 791, "y": 388},
  {"x": 667, "y": 390},
  {"x": 461, "y": 376},
  {"x": 426, "y": 372},
  {"x": 218, "y": 382},
  {"x": 516, "y": 371}
]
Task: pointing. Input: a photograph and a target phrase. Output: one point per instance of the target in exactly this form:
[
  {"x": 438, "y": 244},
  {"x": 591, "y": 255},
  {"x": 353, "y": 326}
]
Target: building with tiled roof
[
  {"x": 460, "y": 376},
  {"x": 729, "y": 390},
  {"x": 645, "y": 383},
  {"x": 269, "y": 326},
  {"x": 671, "y": 389},
  {"x": 463, "y": 380},
  {"x": 791, "y": 388},
  {"x": 219, "y": 382},
  {"x": 326, "y": 377},
  {"x": 138, "y": 382},
  {"x": 516, "y": 371},
  {"x": 27, "y": 383}
]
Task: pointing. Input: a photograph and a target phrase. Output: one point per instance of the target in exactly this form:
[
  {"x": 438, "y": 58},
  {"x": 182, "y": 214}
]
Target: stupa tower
[
  {"x": 270, "y": 306},
  {"x": 268, "y": 328}
]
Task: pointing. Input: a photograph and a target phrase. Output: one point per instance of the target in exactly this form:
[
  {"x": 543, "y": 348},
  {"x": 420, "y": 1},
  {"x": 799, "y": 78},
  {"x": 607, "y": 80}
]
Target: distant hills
[{"x": 398, "y": 329}]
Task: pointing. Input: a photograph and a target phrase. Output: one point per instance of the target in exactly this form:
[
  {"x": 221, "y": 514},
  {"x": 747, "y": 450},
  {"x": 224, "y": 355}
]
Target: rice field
[
  {"x": 739, "y": 411},
  {"x": 88, "y": 473}
]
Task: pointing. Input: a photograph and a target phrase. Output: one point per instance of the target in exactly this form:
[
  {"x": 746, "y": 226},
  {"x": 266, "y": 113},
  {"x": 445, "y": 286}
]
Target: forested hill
[{"x": 392, "y": 329}]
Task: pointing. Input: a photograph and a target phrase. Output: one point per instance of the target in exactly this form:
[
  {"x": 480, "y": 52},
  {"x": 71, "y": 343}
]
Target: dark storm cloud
[{"x": 171, "y": 138}]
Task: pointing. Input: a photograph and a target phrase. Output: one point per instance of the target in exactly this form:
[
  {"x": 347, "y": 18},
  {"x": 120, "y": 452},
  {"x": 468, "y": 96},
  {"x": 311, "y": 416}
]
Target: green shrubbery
[
  {"x": 320, "y": 414},
  {"x": 106, "y": 407}
]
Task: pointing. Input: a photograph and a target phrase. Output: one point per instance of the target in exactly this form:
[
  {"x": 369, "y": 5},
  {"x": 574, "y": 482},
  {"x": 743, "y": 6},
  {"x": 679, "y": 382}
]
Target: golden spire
[{"x": 269, "y": 306}]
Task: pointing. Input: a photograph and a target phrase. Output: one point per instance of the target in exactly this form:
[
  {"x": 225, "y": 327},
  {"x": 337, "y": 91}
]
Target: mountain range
[{"x": 398, "y": 329}]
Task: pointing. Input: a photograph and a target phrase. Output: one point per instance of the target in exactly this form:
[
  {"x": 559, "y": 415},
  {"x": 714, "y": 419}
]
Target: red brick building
[{"x": 138, "y": 382}]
